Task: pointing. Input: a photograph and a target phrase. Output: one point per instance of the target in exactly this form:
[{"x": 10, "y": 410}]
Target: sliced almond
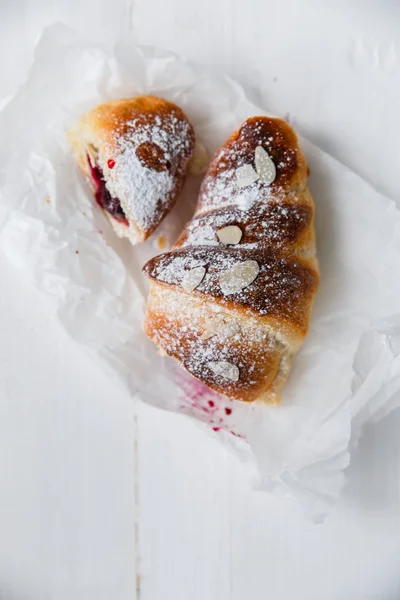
[
  {"x": 224, "y": 369},
  {"x": 230, "y": 234},
  {"x": 245, "y": 176},
  {"x": 239, "y": 276},
  {"x": 207, "y": 334},
  {"x": 220, "y": 327},
  {"x": 227, "y": 330},
  {"x": 210, "y": 328},
  {"x": 193, "y": 278},
  {"x": 265, "y": 167}
]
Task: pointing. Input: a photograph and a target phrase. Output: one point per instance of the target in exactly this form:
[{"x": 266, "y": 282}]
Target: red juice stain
[
  {"x": 210, "y": 403},
  {"x": 228, "y": 411},
  {"x": 76, "y": 251},
  {"x": 216, "y": 428},
  {"x": 237, "y": 435},
  {"x": 111, "y": 163}
]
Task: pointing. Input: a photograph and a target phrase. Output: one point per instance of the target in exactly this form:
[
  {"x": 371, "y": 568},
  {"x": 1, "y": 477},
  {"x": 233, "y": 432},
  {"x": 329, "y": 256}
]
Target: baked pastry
[
  {"x": 232, "y": 300},
  {"x": 135, "y": 153}
]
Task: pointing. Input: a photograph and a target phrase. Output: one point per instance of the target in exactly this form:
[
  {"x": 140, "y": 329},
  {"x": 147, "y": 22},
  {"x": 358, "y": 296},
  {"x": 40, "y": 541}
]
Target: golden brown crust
[
  {"x": 255, "y": 329},
  {"x": 283, "y": 289},
  {"x": 278, "y": 138},
  {"x": 288, "y": 224},
  {"x": 258, "y": 353},
  {"x": 140, "y": 147}
]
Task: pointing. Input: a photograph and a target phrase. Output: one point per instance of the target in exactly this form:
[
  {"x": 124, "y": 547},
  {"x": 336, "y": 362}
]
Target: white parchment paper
[{"x": 349, "y": 368}]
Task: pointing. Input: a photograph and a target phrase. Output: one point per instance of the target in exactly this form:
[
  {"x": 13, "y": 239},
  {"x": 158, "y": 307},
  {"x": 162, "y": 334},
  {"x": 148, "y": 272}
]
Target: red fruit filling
[{"x": 104, "y": 198}]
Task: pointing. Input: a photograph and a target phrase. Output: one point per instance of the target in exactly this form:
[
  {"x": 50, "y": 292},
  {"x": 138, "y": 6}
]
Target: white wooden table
[{"x": 74, "y": 520}]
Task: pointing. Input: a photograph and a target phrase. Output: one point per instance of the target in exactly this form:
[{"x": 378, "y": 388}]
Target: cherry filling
[{"x": 104, "y": 198}]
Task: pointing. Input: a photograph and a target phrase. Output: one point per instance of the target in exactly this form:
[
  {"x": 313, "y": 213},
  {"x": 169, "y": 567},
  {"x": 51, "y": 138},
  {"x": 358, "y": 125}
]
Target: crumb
[
  {"x": 76, "y": 251},
  {"x": 161, "y": 242},
  {"x": 48, "y": 200}
]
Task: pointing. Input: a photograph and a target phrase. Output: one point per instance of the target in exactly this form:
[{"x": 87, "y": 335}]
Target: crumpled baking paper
[{"x": 348, "y": 370}]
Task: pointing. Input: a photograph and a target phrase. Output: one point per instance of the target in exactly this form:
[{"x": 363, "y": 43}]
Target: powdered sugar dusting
[
  {"x": 251, "y": 235},
  {"x": 239, "y": 341},
  {"x": 150, "y": 156},
  {"x": 222, "y": 327},
  {"x": 263, "y": 224},
  {"x": 233, "y": 180},
  {"x": 281, "y": 288},
  {"x": 223, "y": 190}
]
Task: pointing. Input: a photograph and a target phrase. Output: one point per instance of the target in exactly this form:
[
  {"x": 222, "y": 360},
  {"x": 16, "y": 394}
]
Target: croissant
[
  {"x": 135, "y": 153},
  {"x": 231, "y": 302}
]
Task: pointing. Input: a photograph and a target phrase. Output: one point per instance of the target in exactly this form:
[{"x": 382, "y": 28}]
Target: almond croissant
[
  {"x": 135, "y": 154},
  {"x": 231, "y": 302}
]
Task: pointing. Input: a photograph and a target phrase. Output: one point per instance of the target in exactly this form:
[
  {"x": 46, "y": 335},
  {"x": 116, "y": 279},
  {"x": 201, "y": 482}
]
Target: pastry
[
  {"x": 135, "y": 153},
  {"x": 231, "y": 302}
]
